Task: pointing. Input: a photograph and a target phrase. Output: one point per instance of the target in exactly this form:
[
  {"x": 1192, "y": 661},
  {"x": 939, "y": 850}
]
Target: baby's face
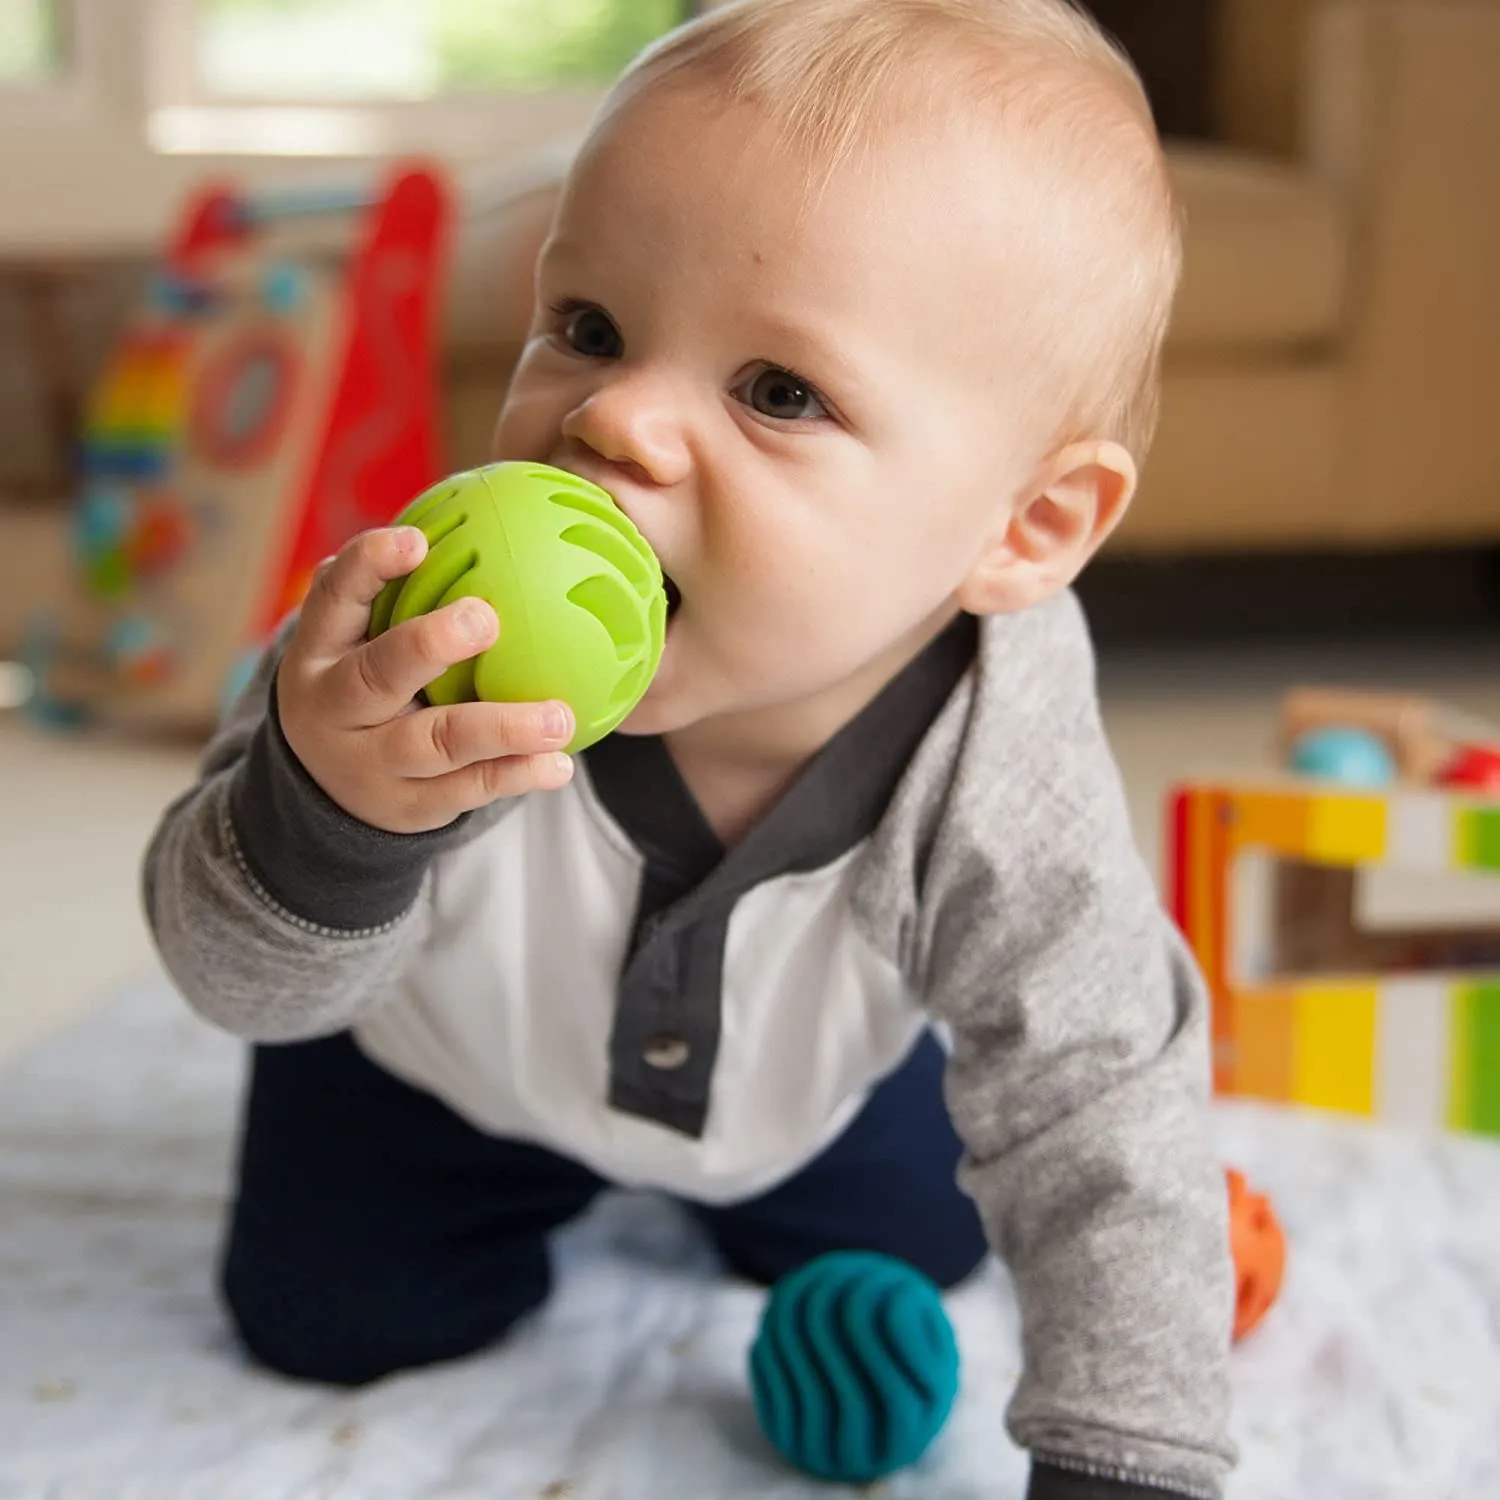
[{"x": 803, "y": 403}]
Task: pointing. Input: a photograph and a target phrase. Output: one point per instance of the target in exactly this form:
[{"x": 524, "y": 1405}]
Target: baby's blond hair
[{"x": 831, "y": 74}]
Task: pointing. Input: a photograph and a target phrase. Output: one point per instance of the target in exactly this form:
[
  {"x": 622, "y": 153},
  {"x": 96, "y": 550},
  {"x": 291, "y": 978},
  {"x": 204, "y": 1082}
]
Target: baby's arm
[
  {"x": 1075, "y": 1084},
  {"x": 1078, "y": 1083},
  {"x": 277, "y": 914},
  {"x": 283, "y": 889}
]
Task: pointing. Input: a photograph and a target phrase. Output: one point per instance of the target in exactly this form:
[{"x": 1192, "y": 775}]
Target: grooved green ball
[{"x": 577, "y": 589}]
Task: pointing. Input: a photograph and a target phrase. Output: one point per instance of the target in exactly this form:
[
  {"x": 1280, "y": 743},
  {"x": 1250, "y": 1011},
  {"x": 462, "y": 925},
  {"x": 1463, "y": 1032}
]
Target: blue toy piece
[
  {"x": 237, "y": 679},
  {"x": 284, "y": 288},
  {"x": 855, "y": 1368},
  {"x": 1351, "y": 757},
  {"x": 176, "y": 295},
  {"x": 39, "y": 652},
  {"x": 101, "y": 522}
]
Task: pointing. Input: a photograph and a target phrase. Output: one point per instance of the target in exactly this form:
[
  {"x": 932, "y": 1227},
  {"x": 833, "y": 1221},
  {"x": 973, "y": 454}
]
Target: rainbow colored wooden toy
[
  {"x": 1404, "y": 1026},
  {"x": 273, "y": 393}
]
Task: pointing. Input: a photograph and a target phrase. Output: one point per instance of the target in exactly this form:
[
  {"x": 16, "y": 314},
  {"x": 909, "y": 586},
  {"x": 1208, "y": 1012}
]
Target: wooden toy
[
  {"x": 1425, "y": 743},
  {"x": 274, "y": 395},
  {"x": 1404, "y": 723},
  {"x": 1404, "y": 1025}
]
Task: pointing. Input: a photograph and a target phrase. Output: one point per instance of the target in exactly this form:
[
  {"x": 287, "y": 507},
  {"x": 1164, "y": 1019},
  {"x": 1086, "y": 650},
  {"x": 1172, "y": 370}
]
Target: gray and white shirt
[{"x": 590, "y": 970}]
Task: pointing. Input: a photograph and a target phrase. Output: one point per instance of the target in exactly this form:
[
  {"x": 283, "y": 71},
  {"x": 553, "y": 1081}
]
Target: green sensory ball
[{"x": 577, "y": 590}]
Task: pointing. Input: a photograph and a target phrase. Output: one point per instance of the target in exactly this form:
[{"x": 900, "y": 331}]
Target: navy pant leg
[
  {"x": 374, "y": 1229},
  {"x": 887, "y": 1184}
]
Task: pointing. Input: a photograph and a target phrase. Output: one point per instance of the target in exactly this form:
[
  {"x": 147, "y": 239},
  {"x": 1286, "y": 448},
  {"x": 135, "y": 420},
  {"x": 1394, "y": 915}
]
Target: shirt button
[{"x": 666, "y": 1053}]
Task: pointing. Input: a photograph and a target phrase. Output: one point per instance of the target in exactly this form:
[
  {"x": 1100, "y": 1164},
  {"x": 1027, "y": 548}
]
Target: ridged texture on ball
[
  {"x": 577, "y": 589},
  {"x": 855, "y": 1368}
]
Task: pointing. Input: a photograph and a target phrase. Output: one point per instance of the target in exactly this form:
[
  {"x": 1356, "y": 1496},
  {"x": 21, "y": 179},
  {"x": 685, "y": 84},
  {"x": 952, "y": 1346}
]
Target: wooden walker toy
[
  {"x": 1400, "y": 1023},
  {"x": 274, "y": 394}
]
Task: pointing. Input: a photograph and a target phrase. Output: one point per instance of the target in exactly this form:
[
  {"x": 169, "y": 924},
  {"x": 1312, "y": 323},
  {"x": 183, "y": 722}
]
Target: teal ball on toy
[
  {"x": 577, "y": 589},
  {"x": 855, "y": 1367},
  {"x": 1351, "y": 757}
]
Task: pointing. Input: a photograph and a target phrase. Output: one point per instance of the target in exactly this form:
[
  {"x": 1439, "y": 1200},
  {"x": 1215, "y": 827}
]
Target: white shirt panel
[{"x": 507, "y": 1016}]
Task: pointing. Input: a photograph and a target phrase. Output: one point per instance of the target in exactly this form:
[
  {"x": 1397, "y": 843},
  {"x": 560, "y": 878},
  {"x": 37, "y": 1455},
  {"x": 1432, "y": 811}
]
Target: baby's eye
[
  {"x": 782, "y": 395},
  {"x": 588, "y": 331}
]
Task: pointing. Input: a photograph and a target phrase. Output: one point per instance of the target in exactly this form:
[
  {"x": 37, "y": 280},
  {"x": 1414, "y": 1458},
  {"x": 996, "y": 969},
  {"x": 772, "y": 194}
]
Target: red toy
[
  {"x": 1472, "y": 768},
  {"x": 274, "y": 394}
]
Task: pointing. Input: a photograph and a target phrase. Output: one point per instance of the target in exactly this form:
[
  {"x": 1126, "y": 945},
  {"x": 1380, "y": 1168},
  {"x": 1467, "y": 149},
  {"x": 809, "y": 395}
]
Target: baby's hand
[{"x": 348, "y": 705}]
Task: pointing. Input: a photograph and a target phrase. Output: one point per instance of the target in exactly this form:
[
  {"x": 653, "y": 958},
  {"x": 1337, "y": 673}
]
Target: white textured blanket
[{"x": 1378, "y": 1375}]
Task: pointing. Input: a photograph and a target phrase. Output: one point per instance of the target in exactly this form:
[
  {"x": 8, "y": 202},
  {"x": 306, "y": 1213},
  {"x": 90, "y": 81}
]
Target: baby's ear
[{"x": 1057, "y": 523}]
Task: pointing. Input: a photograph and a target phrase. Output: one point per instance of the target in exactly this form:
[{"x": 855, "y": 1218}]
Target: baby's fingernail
[
  {"x": 475, "y": 620},
  {"x": 408, "y": 540},
  {"x": 563, "y": 766},
  {"x": 556, "y": 723}
]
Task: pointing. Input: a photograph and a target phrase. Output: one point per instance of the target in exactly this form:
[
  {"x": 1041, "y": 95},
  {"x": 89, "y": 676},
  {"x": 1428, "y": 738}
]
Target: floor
[
  {"x": 75, "y": 813},
  {"x": 1374, "y": 1377}
]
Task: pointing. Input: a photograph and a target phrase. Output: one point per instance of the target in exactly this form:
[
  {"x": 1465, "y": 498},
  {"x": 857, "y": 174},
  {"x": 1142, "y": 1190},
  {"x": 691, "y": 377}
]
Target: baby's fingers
[
  {"x": 435, "y": 742},
  {"x": 336, "y": 612},
  {"x": 376, "y": 681},
  {"x": 476, "y": 786}
]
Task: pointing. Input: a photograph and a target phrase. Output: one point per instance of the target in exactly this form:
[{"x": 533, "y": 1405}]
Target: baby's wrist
[
  {"x": 1054, "y": 1482},
  {"x": 316, "y": 859}
]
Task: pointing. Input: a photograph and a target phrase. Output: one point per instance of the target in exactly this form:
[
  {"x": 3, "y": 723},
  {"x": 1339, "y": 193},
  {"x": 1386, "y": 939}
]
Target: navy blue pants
[{"x": 375, "y": 1230}]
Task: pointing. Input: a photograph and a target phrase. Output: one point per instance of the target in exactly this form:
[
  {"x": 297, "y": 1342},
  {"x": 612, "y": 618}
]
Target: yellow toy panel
[{"x": 1405, "y": 1029}]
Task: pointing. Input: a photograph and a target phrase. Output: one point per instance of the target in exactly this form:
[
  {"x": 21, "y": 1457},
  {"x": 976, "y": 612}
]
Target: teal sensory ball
[{"x": 855, "y": 1368}]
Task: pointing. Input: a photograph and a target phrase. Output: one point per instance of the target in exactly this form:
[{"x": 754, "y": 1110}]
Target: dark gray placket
[
  {"x": 665, "y": 1038},
  {"x": 666, "y": 1033}
]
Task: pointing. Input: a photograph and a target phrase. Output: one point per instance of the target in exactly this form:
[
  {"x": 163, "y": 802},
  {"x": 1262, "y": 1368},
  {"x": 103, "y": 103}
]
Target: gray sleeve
[
  {"x": 278, "y": 915},
  {"x": 1078, "y": 1083}
]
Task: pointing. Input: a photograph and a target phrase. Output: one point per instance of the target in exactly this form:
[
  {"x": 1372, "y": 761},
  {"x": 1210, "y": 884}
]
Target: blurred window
[
  {"x": 30, "y": 40},
  {"x": 390, "y": 50}
]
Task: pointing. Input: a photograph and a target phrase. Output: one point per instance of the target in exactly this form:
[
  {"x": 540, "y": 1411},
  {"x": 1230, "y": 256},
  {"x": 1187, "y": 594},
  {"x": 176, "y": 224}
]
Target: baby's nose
[{"x": 635, "y": 427}]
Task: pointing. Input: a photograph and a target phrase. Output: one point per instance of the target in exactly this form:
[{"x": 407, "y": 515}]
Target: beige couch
[{"x": 1333, "y": 379}]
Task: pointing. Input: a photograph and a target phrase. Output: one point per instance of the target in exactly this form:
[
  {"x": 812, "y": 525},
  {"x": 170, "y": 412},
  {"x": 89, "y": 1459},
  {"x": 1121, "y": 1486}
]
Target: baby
[{"x": 856, "y": 308}]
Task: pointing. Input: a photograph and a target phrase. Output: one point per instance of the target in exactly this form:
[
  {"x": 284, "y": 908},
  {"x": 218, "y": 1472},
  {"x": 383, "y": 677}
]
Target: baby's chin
[
  {"x": 660, "y": 712},
  {"x": 653, "y": 713},
  {"x": 678, "y": 699}
]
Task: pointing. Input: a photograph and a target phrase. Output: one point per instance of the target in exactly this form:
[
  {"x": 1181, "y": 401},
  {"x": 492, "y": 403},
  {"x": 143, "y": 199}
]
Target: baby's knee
[
  {"x": 321, "y": 1339},
  {"x": 340, "y": 1332}
]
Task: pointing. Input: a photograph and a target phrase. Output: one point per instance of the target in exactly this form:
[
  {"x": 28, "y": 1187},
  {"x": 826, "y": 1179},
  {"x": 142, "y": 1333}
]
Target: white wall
[
  {"x": 77, "y": 170},
  {"x": 79, "y": 180}
]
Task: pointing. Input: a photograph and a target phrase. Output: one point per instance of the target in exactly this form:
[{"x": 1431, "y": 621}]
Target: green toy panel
[{"x": 1480, "y": 838}]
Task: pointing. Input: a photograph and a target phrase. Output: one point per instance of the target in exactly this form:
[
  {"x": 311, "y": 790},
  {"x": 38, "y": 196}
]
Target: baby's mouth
[{"x": 674, "y": 596}]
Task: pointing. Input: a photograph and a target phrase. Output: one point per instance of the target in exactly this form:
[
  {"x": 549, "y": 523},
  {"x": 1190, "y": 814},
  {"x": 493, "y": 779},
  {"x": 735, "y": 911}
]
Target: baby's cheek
[
  {"x": 820, "y": 622},
  {"x": 785, "y": 583},
  {"x": 802, "y": 595},
  {"x": 521, "y": 434},
  {"x": 528, "y": 425}
]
